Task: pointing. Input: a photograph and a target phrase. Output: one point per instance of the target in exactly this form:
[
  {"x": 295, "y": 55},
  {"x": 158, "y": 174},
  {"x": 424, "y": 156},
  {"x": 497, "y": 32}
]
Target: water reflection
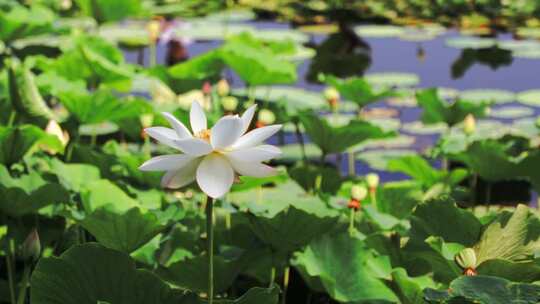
[{"x": 493, "y": 57}]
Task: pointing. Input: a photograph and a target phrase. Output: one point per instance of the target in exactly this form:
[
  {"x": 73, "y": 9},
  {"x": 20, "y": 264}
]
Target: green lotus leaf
[
  {"x": 495, "y": 96},
  {"x": 28, "y": 194},
  {"x": 212, "y": 30},
  {"x": 530, "y": 97},
  {"x": 408, "y": 193},
  {"x": 485, "y": 290},
  {"x": 310, "y": 177},
  {"x": 417, "y": 127},
  {"x": 528, "y": 32},
  {"x": 294, "y": 151},
  {"x": 346, "y": 269},
  {"x": 88, "y": 273},
  {"x": 358, "y": 90},
  {"x": 16, "y": 142},
  {"x": 232, "y": 15},
  {"x": 335, "y": 140},
  {"x": 25, "y": 96},
  {"x": 444, "y": 219},
  {"x": 379, "y": 31},
  {"x": 513, "y": 271},
  {"x": 511, "y": 112},
  {"x": 106, "y": 11},
  {"x": 256, "y": 65},
  {"x": 199, "y": 68},
  {"x": 400, "y": 141},
  {"x": 437, "y": 110},
  {"x": 96, "y": 129},
  {"x": 410, "y": 289},
  {"x": 292, "y": 98},
  {"x": 74, "y": 176},
  {"x": 392, "y": 79},
  {"x": 420, "y": 170},
  {"x": 20, "y": 21},
  {"x": 470, "y": 42}
]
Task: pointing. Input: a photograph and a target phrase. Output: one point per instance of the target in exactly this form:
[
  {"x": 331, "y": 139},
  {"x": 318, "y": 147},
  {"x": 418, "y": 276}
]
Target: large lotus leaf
[
  {"x": 192, "y": 273},
  {"x": 28, "y": 193},
  {"x": 124, "y": 231},
  {"x": 513, "y": 271},
  {"x": 419, "y": 169},
  {"x": 50, "y": 83},
  {"x": 513, "y": 237},
  {"x": 399, "y": 198},
  {"x": 74, "y": 176},
  {"x": 16, "y": 142},
  {"x": 336, "y": 140},
  {"x": 358, "y": 90},
  {"x": 436, "y": 109},
  {"x": 410, "y": 289},
  {"x": 90, "y": 273},
  {"x": 443, "y": 218},
  {"x": 105, "y": 69},
  {"x": 527, "y": 168},
  {"x": 25, "y": 96},
  {"x": 102, "y": 105},
  {"x": 485, "y": 290},
  {"x": 257, "y": 66},
  {"x": 346, "y": 268},
  {"x": 491, "y": 160},
  {"x": 103, "y": 193},
  {"x": 378, "y": 158},
  {"x": 308, "y": 176},
  {"x": 393, "y": 79},
  {"x": 21, "y": 21},
  {"x": 202, "y": 67},
  {"x": 104, "y": 10}
]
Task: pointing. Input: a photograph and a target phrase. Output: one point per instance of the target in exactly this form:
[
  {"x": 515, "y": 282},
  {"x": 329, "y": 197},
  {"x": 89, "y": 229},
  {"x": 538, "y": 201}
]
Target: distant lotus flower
[
  {"x": 213, "y": 156},
  {"x": 223, "y": 88},
  {"x": 372, "y": 180},
  {"x": 332, "y": 96},
  {"x": 265, "y": 117},
  {"x": 469, "y": 124}
]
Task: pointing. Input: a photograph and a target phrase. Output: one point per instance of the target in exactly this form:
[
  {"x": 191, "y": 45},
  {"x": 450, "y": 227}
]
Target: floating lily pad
[
  {"x": 490, "y": 95},
  {"x": 518, "y": 45},
  {"x": 323, "y": 29},
  {"x": 348, "y": 106},
  {"x": 417, "y": 127},
  {"x": 387, "y": 124},
  {"x": 378, "y": 159},
  {"x": 447, "y": 93},
  {"x": 403, "y": 101},
  {"x": 236, "y": 15},
  {"x": 98, "y": 129},
  {"x": 294, "y": 151},
  {"x": 526, "y": 126},
  {"x": 527, "y": 54},
  {"x": 530, "y": 97},
  {"x": 200, "y": 30},
  {"x": 41, "y": 40},
  {"x": 393, "y": 79},
  {"x": 417, "y": 35},
  {"x": 280, "y": 35},
  {"x": 511, "y": 112},
  {"x": 402, "y": 141},
  {"x": 379, "y": 31},
  {"x": 300, "y": 53},
  {"x": 470, "y": 42},
  {"x": 293, "y": 98},
  {"x": 529, "y": 32},
  {"x": 131, "y": 35}
]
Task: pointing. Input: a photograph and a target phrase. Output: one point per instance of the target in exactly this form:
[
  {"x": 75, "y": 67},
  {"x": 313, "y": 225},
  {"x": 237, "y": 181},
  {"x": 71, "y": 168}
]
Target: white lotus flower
[{"x": 212, "y": 156}]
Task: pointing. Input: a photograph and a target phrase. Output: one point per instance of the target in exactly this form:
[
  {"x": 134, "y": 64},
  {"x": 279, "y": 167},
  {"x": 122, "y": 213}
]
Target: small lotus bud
[
  {"x": 147, "y": 120},
  {"x": 222, "y": 88},
  {"x": 207, "y": 88},
  {"x": 66, "y": 5},
  {"x": 466, "y": 258},
  {"x": 359, "y": 192},
  {"x": 469, "y": 124},
  {"x": 31, "y": 248},
  {"x": 372, "y": 180},
  {"x": 266, "y": 117},
  {"x": 154, "y": 28},
  {"x": 229, "y": 103},
  {"x": 354, "y": 204},
  {"x": 53, "y": 128},
  {"x": 332, "y": 97}
]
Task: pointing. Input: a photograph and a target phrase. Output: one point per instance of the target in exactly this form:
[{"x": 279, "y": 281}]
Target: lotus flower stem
[
  {"x": 272, "y": 276},
  {"x": 153, "y": 53},
  {"x": 10, "y": 272},
  {"x": 24, "y": 284},
  {"x": 351, "y": 164},
  {"x": 286, "y": 274},
  {"x": 352, "y": 216},
  {"x": 300, "y": 141},
  {"x": 210, "y": 246}
]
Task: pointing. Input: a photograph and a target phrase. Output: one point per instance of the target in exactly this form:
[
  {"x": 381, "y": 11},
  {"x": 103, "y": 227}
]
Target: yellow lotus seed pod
[
  {"x": 31, "y": 248},
  {"x": 469, "y": 124},
  {"x": 331, "y": 94},
  {"x": 229, "y": 103},
  {"x": 372, "y": 180},
  {"x": 266, "y": 117},
  {"x": 358, "y": 192},
  {"x": 466, "y": 258},
  {"x": 223, "y": 88},
  {"x": 154, "y": 28}
]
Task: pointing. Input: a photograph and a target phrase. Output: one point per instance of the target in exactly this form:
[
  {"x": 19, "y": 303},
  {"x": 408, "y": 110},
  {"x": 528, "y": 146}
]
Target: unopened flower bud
[
  {"x": 359, "y": 192},
  {"x": 222, "y": 88},
  {"x": 469, "y": 124},
  {"x": 266, "y": 117},
  {"x": 53, "y": 128},
  {"x": 372, "y": 180},
  {"x": 332, "y": 97},
  {"x": 31, "y": 248},
  {"x": 353, "y": 204},
  {"x": 154, "y": 28},
  {"x": 466, "y": 259},
  {"x": 229, "y": 103}
]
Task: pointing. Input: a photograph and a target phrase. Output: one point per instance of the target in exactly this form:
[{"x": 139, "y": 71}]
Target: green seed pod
[{"x": 466, "y": 258}]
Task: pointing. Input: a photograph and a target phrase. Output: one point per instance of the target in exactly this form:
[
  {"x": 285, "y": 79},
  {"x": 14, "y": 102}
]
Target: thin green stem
[
  {"x": 12, "y": 118},
  {"x": 300, "y": 141},
  {"x": 153, "y": 54},
  {"x": 24, "y": 283},
  {"x": 351, "y": 164},
  {"x": 272, "y": 276},
  {"x": 10, "y": 272},
  {"x": 373, "y": 197},
  {"x": 210, "y": 246},
  {"x": 285, "y": 284},
  {"x": 352, "y": 216}
]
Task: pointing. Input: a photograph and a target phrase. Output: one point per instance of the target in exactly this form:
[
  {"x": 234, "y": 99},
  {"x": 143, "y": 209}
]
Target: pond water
[{"x": 434, "y": 62}]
